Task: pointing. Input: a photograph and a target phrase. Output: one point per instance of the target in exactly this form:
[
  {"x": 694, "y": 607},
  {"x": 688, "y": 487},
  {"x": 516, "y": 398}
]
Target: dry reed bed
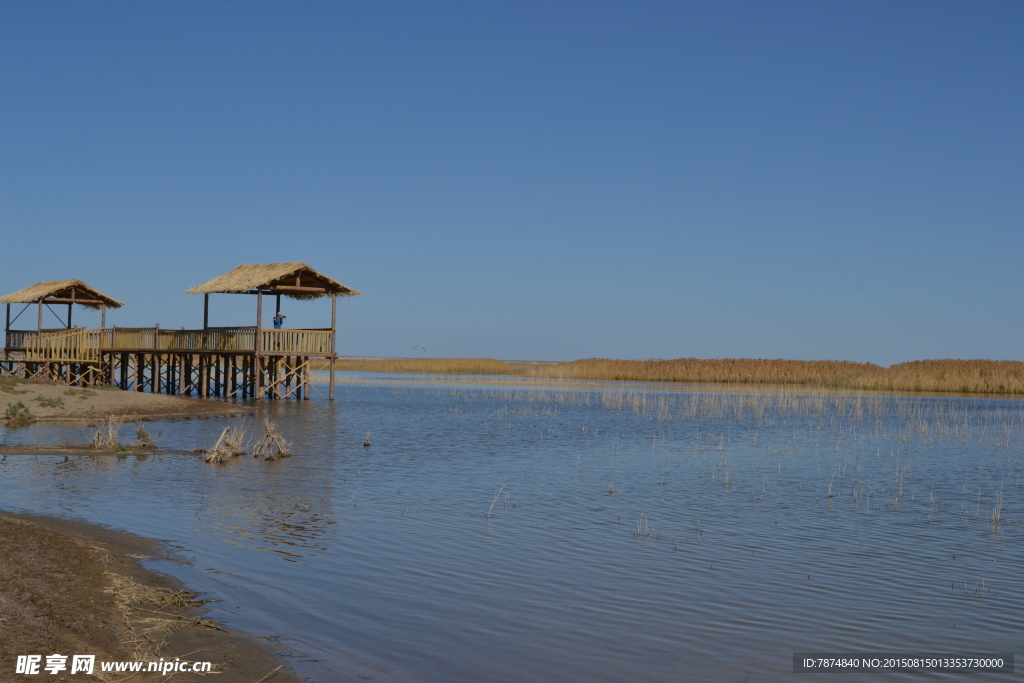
[{"x": 942, "y": 376}]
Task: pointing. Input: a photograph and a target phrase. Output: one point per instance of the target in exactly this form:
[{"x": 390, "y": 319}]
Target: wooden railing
[
  {"x": 16, "y": 338},
  {"x": 296, "y": 341},
  {"x": 156, "y": 339},
  {"x": 78, "y": 345},
  {"x": 84, "y": 345}
]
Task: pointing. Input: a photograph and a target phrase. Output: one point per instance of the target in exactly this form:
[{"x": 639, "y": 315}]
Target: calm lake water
[{"x": 636, "y": 532}]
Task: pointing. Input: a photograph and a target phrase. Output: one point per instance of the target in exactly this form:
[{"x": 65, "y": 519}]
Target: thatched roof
[
  {"x": 62, "y": 292},
  {"x": 294, "y": 279}
]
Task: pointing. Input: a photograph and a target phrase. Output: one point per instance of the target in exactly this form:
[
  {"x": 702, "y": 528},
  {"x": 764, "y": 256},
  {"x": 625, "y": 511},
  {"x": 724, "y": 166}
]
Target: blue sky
[{"x": 534, "y": 180}]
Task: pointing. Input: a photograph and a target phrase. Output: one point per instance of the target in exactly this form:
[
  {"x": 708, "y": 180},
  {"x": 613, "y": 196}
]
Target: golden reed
[{"x": 948, "y": 376}]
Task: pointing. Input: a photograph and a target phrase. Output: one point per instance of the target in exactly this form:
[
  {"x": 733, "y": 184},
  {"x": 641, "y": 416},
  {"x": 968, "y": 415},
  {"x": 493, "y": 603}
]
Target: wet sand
[{"x": 63, "y": 590}]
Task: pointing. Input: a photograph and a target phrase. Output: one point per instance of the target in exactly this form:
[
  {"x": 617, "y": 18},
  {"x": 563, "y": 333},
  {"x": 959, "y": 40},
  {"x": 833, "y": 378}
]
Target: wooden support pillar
[
  {"x": 39, "y": 322},
  {"x": 69, "y": 314},
  {"x": 257, "y": 343},
  {"x": 334, "y": 344},
  {"x": 206, "y": 312},
  {"x": 137, "y": 376},
  {"x": 103, "y": 316}
]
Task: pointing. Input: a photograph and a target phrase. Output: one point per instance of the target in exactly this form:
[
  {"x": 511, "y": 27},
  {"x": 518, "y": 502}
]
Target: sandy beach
[
  {"x": 74, "y": 588},
  {"x": 46, "y": 401}
]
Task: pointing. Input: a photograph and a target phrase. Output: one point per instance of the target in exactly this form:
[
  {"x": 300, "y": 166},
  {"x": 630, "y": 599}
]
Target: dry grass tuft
[
  {"x": 271, "y": 445},
  {"x": 229, "y": 445},
  {"x": 148, "y": 631},
  {"x": 106, "y": 436}
]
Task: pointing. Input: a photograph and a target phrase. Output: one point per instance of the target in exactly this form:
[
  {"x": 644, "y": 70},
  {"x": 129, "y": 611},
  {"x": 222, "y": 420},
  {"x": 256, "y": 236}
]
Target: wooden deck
[{"x": 218, "y": 361}]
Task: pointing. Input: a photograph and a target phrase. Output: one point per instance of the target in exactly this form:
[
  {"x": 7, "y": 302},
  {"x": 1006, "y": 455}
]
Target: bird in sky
[{"x": 419, "y": 346}]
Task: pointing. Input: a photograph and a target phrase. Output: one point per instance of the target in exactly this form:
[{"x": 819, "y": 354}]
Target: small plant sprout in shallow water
[
  {"x": 143, "y": 439},
  {"x": 496, "y": 495},
  {"x": 643, "y": 529}
]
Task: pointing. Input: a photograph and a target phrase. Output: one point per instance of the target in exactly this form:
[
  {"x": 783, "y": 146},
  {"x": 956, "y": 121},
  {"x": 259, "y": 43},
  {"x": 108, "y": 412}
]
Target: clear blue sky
[{"x": 534, "y": 180}]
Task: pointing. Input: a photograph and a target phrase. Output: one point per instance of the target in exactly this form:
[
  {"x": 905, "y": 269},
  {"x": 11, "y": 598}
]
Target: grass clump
[
  {"x": 49, "y": 402},
  {"x": 82, "y": 394},
  {"x": 143, "y": 439},
  {"x": 9, "y": 385},
  {"x": 18, "y": 413}
]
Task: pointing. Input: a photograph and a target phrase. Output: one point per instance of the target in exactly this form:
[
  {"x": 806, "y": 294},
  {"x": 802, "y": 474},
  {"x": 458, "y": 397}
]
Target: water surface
[{"x": 603, "y": 532}]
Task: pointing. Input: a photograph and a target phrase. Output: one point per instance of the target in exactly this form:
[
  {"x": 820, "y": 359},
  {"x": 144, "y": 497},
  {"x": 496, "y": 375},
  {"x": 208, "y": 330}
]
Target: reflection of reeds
[{"x": 947, "y": 375}]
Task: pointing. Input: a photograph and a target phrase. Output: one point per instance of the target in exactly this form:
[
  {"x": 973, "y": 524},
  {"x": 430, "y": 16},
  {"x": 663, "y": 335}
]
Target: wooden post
[
  {"x": 39, "y": 323},
  {"x": 69, "y": 313},
  {"x": 7, "y": 331},
  {"x": 103, "y": 316},
  {"x": 258, "y": 342},
  {"x": 206, "y": 312},
  {"x": 278, "y": 304},
  {"x": 334, "y": 344}
]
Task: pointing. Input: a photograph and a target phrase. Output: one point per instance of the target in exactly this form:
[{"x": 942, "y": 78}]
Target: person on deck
[{"x": 279, "y": 320}]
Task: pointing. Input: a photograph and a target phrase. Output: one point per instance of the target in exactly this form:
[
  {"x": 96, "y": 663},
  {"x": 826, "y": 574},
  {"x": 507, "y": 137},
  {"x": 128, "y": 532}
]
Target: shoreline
[
  {"x": 941, "y": 376},
  {"x": 78, "y": 588}
]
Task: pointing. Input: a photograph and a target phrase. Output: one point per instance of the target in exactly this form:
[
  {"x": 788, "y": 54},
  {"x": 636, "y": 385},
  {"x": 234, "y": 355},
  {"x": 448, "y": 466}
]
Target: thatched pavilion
[
  {"x": 56, "y": 292},
  {"x": 294, "y": 279}
]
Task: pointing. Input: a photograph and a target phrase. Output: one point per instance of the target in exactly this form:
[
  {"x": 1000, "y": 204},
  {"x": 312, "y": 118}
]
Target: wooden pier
[{"x": 225, "y": 362}]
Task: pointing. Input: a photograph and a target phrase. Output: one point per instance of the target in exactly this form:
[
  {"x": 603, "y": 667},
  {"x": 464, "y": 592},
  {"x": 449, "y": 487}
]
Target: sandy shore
[
  {"x": 73, "y": 588},
  {"x": 46, "y": 401}
]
